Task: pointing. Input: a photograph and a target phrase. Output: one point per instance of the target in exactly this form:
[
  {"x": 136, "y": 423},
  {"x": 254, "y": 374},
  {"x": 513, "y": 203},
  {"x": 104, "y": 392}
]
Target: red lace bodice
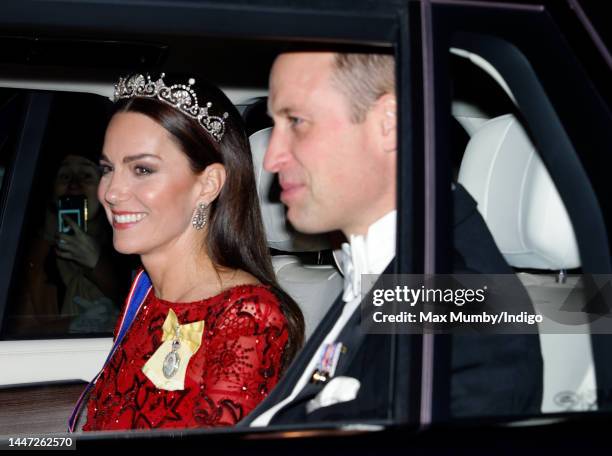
[{"x": 237, "y": 364}]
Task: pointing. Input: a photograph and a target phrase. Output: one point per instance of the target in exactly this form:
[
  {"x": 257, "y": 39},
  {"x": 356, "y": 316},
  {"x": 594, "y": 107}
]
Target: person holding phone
[
  {"x": 85, "y": 261},
  {"x": 73, "y": 277}
]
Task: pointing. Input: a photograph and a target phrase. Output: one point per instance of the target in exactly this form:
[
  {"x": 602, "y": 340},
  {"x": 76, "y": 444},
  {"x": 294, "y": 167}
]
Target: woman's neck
[{"x": 182, "y": 278}]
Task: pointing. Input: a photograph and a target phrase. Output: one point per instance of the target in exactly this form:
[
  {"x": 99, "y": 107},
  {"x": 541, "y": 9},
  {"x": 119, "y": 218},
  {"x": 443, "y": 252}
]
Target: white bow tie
[{"x": 354, "y": 263}]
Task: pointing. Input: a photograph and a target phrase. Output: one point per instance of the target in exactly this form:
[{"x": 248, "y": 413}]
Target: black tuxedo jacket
[{"x": 491, "y": 375}]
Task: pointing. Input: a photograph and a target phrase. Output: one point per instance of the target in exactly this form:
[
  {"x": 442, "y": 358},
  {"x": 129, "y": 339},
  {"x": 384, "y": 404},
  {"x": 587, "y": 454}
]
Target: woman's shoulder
[
  {"x": 253, "y": 300},
  {"x": 253, "y": 295}
]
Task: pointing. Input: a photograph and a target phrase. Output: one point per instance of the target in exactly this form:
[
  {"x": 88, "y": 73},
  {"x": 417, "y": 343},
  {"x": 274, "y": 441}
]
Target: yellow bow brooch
[{"x": 168, "y": 365}]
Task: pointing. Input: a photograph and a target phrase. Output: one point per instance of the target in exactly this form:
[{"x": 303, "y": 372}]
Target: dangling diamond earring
[{"x": 200, "y": 217}]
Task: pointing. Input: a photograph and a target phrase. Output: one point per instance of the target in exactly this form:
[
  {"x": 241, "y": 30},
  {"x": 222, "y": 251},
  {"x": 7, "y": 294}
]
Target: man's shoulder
[
  {"x": 474, "y": 247},
  {"x": 464, "y": 205}
]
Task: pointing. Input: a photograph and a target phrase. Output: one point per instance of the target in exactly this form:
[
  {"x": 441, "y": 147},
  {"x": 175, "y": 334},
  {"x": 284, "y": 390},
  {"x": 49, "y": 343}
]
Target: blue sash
[{"x": 137, "y": 296}]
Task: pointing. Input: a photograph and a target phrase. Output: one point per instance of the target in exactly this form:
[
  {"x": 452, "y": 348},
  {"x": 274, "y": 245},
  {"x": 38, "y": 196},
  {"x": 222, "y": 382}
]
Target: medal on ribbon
[
  {"x": 167, "y": 367},
  {"x": 327, "y": 362}
]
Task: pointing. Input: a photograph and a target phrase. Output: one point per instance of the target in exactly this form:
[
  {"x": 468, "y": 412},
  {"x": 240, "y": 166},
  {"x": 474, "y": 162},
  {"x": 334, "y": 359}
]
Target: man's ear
[
  {"x": 386, "y": 107},
  {"x": 212, "y": 180}
]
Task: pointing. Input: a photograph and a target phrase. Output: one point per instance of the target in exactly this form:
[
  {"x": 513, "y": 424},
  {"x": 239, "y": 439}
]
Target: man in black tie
[{"x": 334, "y": 147}]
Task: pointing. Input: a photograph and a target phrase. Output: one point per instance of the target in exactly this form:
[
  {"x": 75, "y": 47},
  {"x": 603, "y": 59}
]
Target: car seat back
[{"x": 526, "y": 216}]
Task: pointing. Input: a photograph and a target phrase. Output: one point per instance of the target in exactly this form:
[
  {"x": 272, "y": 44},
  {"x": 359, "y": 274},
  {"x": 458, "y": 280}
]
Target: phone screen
[{"x": 74, "y": 207}]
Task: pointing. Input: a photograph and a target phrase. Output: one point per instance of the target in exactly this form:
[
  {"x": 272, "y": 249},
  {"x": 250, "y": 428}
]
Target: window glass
[
  {"x": 68, "y": 280},
  {"x": 57, "y": 297},
  {"x": 502, "y": 170},
  {"x": 548, "y": 365}
]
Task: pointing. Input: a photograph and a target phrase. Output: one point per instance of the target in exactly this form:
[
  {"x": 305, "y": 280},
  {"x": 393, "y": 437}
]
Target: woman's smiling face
[{"x": 147, "y": 188}]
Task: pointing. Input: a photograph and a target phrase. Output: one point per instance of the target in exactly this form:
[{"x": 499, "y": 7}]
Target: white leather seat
[
  {"x": 313, "y": 287},
  {"x": 526, "y": 216}
]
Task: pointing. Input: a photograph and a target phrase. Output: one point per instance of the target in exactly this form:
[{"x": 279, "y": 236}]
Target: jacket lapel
[{"x": 351, "y": 335}]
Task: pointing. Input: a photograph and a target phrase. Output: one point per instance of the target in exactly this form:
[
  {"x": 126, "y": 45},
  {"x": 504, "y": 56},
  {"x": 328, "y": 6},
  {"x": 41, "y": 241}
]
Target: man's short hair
[{"x": 363, "y": 79}]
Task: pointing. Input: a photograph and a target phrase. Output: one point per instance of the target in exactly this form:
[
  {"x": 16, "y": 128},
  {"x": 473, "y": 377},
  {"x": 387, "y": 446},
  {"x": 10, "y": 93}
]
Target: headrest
[
  {"x": 280, "y": 234},
  {"x": 255, "y": 115},
  {"x": 517, "y": 198}
]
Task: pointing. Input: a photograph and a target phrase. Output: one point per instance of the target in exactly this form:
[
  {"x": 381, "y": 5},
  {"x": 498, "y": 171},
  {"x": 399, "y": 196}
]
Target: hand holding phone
[{"x": 79, "y": 247}]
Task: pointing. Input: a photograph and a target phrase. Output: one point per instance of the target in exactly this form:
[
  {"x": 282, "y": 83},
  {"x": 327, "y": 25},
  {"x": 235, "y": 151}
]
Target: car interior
[
  {"x": 493, "y": 157},
  {"x": 501, "y": 169}
]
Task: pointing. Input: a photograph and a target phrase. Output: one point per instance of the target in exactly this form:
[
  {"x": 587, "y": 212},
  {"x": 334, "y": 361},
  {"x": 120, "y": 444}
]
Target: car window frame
[
  {"x": 489, "y": 30},
  {"x": 385, "y": 26}
]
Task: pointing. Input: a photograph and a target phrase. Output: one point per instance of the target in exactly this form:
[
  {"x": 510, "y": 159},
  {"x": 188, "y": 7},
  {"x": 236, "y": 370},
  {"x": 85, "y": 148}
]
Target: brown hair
[
  {"x": 236, "y": 236},
  {"x": 363, "y": 79}
]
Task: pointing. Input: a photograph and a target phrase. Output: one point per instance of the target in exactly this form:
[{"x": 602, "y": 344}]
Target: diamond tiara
[{"x": 179, "y": 96}]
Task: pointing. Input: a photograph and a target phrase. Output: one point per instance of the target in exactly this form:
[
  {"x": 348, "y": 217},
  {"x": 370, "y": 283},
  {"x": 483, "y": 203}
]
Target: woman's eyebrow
[{"x": 131, "y": 158}]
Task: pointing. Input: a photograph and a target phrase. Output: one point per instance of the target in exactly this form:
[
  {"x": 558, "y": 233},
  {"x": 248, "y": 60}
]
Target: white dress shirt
[{"x": 369, "y": 254}]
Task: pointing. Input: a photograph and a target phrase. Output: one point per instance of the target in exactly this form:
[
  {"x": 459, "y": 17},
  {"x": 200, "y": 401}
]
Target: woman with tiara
[{"x": 206, "y": 331}]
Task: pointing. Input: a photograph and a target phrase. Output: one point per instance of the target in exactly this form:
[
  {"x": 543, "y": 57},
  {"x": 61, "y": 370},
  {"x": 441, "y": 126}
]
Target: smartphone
[{"x": 74, "y": 207}]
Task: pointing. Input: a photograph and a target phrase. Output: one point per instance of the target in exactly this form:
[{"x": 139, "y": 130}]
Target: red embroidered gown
[{"x": 235, "y": 367}]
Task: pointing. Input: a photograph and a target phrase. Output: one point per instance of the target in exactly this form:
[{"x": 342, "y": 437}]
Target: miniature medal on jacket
[{"x": 167, "y": 367}]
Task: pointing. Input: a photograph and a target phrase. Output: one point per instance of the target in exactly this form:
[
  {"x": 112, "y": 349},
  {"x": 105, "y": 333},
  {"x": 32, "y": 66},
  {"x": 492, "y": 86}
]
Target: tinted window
[
  {"x": 518, "y": 154},
  {"x": 67, "y": 278}
]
